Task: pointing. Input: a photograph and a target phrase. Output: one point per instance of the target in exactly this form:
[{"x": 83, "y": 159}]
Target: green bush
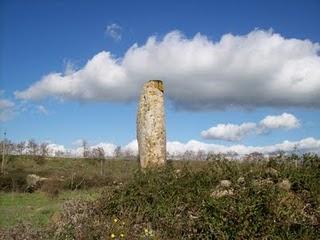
[
  {"x": 179, "y": 205},
  {"x": 277, "y": 199}
]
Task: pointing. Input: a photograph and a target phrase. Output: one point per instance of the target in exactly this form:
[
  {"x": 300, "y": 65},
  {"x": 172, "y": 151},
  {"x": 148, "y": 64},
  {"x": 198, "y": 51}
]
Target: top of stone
[{"x": 157, "y": 84}]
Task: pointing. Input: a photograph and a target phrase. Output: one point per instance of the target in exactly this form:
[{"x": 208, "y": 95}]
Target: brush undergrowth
[{"x": 273, "y": 200}]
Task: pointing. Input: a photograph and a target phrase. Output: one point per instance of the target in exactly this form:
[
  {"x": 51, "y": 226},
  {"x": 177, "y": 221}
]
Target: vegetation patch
[{"x": 274, "y": 199}]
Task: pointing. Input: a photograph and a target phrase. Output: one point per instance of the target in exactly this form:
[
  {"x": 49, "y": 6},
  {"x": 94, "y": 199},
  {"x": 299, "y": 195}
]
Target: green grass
[
  {"x": 36, "y": 208},
  {"x": 56, "y": 166}
]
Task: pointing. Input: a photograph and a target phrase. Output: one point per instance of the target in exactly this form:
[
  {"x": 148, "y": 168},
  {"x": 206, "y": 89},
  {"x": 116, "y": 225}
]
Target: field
[{"x": 217, "y": 199}]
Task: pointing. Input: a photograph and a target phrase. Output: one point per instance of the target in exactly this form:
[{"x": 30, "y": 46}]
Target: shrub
[
  {"x": 177, "y": 202},
  {"x": 24, "y": 231},
  {"x": 15, "y": 181},
  {"x": 52, "y": 187},
  {"x": 170, "y": 205}
]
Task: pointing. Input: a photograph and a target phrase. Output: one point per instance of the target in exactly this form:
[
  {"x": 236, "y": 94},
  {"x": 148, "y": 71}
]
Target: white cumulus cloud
[
  {"x": 6, "y": 110},
  {"x": 54, "y": 149},
  {"x": 229, "y": 132},
  {"x": 234, "y": 132},
  {"x": 114, "y": 31},
  {"x": 261, "y": 68},
  {"x": 285, "y": 120},
  {"x": 131, "y": 147},
  {"x": 107, "y": 147}
]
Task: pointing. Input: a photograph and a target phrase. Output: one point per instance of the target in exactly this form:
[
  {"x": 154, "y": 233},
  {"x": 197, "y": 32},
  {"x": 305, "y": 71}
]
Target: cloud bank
[
  {"x": 57, "y": 149},
  {"x": 233, "y": 132},
  {"x": 259, "y": 69},
  {"x": 304, "y": 145},
  {"x": 176, "y": 148}
]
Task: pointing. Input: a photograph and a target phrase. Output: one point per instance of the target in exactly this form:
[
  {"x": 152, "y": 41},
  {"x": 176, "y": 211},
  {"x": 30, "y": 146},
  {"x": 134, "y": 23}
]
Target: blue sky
[{"x": 43, "y": 37}]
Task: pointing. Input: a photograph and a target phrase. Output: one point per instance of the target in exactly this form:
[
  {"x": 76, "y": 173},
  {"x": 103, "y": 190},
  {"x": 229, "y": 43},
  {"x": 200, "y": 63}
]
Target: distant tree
[
  {"x": 117, "y": 152},
  {"x": 98, "y": 153},
  {"x": 189, "y": 155},
  {"x": 168, "y": 155},
  {"x": 44, "y": 150},
  {"x": 201, "y": 155},
  {"x": 10, "y": 147},
  {"x": 58, "y": 153},
  {"x": 128, "y": 154},
  {"x": 20, "y": 147},
  {"x": 254, "y": 156},
  {"x": 232, "y": 155},
  {"x": 68, "y": 153},
  {"x": 85, "y": 148},
  {"x": 32, "y": 147},
  {"x": 3, "y": 150},
  {"x": 212, "y": 156}
]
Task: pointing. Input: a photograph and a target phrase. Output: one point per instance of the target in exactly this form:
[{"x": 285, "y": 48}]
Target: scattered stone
[
  {"x": 222, "y": 193},
  {"x": 272, "y": 172},
  {"x": 34, "y": 181},
  {"x": 241, "y": 180},
  {"x": 151, "y": 133},
  {"x": 223, "y": 189},
  {"x": 225, "y": 183},
  {"x": 285, "y": 184},
  {"x": 263, "y": 182},
  {"x": 311, "y": 214}
]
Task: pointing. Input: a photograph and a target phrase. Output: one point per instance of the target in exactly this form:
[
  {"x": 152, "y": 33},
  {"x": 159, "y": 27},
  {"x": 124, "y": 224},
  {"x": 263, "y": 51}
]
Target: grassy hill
[{"x": 219, "y": 199}]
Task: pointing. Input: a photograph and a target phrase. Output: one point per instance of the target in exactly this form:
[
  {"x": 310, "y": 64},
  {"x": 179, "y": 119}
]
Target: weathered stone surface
[
  {"x": 225, "y": 183},
  {"x": 222, "y": 193},
  {"x": 223, "y": 189},
  {"x": 285, "y": 184},
  {"x": 151, "y": 133},
  {"x": 35, "y": 181},
  {"x": 241, "y": 180},
  {"x": 263, "y": 182},
  {"x": 272, "y": 172}
]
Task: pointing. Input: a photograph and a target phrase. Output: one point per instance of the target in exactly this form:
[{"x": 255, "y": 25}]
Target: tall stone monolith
[{"x": 151, "y": 131}]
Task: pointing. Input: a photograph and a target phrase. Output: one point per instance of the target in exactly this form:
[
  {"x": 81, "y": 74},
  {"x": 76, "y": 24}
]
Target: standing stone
[{"x": 151, "y": 132}]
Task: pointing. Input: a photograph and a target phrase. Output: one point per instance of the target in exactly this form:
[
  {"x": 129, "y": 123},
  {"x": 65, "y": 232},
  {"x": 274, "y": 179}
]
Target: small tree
[
  {"x": 189, "y": 155},
  {"x": 21, "y": 147},
  {"x": 232, "y": 155},
  {"x": 254, "y": 156},
  {"x": 212, "y": 156},
  {"x": 44, "y": 150},
  {"x": 10, "y": 147},
  {"x": 85, "y": 148},
  {"x": 201, "y": 155},
  {"x": 117, "y": 152},
  {"x": 59, "y": 153},
  {"x": 3, "y": 162},
  {"x": 32, "y": 147},
  {"x": 98, "y": 153},
  {"x": 3, "y": 145}
]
